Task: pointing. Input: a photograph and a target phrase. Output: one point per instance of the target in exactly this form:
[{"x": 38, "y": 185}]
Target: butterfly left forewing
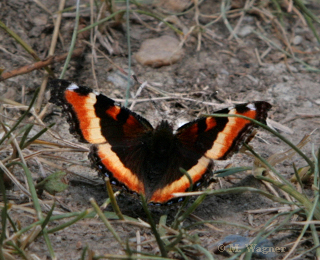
[
  {"x": 94, "y": 117},
  {"x": 114, "y": 131}
]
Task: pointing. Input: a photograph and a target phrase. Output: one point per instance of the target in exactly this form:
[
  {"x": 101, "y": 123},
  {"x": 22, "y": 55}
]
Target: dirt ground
[{"x": 222, "y": 72}]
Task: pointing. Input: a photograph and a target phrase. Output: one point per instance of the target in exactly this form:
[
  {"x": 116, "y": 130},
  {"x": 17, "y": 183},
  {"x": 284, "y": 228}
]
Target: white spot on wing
[
  {"x": 180, "y": 122},
  {"x": 72, "y": 87},
  {"x": 251, "y": 106}
]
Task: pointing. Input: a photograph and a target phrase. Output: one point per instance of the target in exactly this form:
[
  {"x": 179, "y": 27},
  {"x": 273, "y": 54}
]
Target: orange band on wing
[
  {"x": 133, "y": 127},
  {"x": 89, "y": 123},
  {"x": 124, "y": 175},
  {"x": 226, "y": 137},
  {"x": 113, "y": 112},
  {"x": 182, "y": 184},
  {"x": 210, "y": 122}
]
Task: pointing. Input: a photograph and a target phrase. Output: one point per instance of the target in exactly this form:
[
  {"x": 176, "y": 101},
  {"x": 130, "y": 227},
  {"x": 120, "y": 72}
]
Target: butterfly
[{"x": 147, "y": 160}]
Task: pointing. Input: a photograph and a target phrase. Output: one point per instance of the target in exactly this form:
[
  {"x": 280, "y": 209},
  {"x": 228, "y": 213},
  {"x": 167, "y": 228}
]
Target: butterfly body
[{"x": 147, "y": 160}]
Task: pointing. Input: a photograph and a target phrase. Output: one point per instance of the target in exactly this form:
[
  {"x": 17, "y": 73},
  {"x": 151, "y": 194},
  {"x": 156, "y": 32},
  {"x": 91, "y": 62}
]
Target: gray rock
[{"x": 159, "y": 52}]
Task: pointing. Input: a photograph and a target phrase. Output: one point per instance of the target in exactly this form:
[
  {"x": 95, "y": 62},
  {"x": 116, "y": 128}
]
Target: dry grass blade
[
  {"x": 106, "y": 222},
  {"x": 57, "y": 23},
  {"x": 40, "y": 64},
  {"x": 248, "y": 4},
  {"x": 206, "y": 223},
  {"x": 73, "y": 40},
  {"x": 14, "y": 180},
  {"x": 113, "y": 199},
  {"x": 276, "y": 46},
  {"x": 288, "y": 188},
  {"x": 310, "y": 216},
  {"x": 233, "y": 190},
  {"x": 224, "y": 7}
]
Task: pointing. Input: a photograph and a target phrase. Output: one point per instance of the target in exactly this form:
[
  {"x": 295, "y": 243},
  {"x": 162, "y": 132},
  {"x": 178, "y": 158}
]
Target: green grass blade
[
  {"x": 231, "y": 171},
  {"x": 311, "y": 213},
  {"x": 23, "y": 44},
  {"x": 177, "y": 240},
  {"x": 315, "y": 237},
  {"x": 190, "y": 209},
  {"x": 297, "y": 195},
  {"x": 69, "y": 223},
  {"x": 106, "y": 222},
  {"x": 47, "y": 219},
  {"x": 48, "y": 242},
  {"x": 101, "y": 21},
  {"x": 21, "y": 118},
  {"x": 176, "y": 222},
  {"x": 83, "y": 254},
  {"x": 153, "y": 227},
  {"x": 32, "y": 189},
  {"x": 18, "y": 250},
  {"x": 25, "y": 135},
  {"x": 265, "y": 162},
  {"x": 36, "y": 136},
  {"x": 316, "y": 179},
  {"x": 20, "y": 41},
  {"x": 36, "y": 205},
  {"x": 12, "y": 223},
  {"x": 311, "y": 26},
  {"x": 306, "y": 10}
]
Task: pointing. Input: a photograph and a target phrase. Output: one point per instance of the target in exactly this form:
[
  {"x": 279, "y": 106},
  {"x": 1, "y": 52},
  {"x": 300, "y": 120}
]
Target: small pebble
[
  {"x": 246, "y": 30},
  {"x": 173, "y": 6},
  {"x": 159, "y": 52},
  {"x": 79, "y": 245},
  {"x": 297, "y": 40}
]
